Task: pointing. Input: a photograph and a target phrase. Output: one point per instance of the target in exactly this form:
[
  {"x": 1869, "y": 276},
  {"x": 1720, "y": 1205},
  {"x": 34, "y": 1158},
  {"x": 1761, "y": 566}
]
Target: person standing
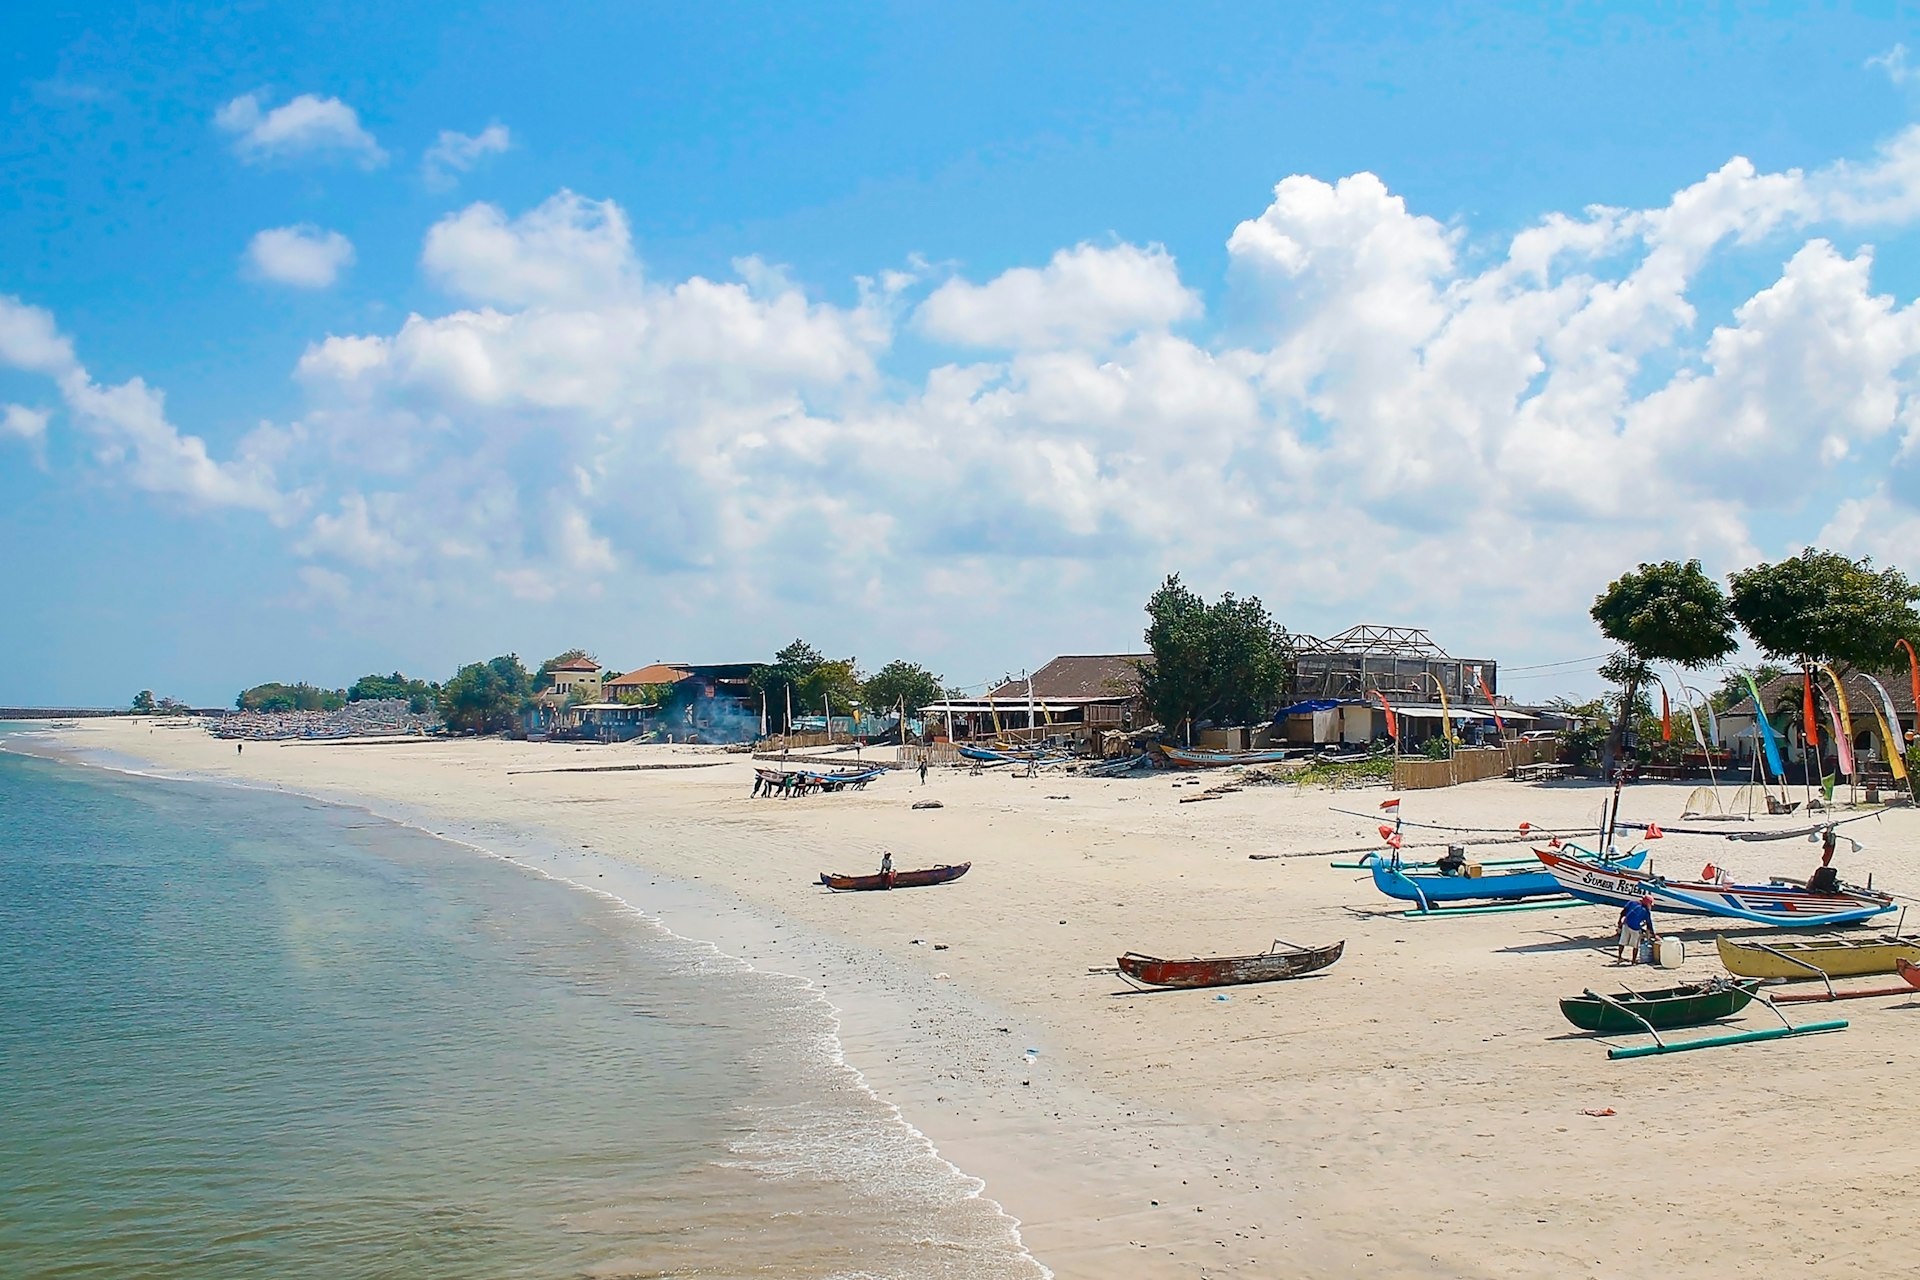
[
  {"x": 1636, "y": 929},
  {"x": 923, "y": 771}
]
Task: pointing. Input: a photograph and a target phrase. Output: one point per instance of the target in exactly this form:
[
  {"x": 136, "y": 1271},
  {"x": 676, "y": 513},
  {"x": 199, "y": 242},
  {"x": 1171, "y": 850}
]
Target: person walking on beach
[
  {"x": 923, "y": 771},
  {"x": 1636, "y": 923}
]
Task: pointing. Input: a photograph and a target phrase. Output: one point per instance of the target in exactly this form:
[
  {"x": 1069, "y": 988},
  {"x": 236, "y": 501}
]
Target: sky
[{"x": 345, "y": 338}]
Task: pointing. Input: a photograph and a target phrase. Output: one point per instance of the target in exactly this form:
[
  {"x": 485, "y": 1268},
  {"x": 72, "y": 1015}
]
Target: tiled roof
[
  {"x": 655, "y": 673},
  {"x": 1084, "y": 675}
]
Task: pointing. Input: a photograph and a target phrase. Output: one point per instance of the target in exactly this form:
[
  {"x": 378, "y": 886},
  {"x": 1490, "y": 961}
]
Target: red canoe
[
  {"x": 896, "y": 879},
  {"x": 1283, "y": 961}
]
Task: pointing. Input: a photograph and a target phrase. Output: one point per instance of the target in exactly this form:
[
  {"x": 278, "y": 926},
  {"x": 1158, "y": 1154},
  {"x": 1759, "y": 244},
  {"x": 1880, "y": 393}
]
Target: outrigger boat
[
  {"x": 1807, "y": 958},
  {"x": 1392, "y": 879},
  {"x": 1189, "y": 758},
  {"x": 895, "y": 879},
  {"x": 1686, "y": 1006},
  {"x": 1783, "y": 905},
  {"x": 1011, "y": 755},
  {"x": 1283, "y": 960}
]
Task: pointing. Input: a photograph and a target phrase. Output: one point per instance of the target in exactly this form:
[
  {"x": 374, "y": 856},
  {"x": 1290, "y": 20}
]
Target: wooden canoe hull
[
  {"x": 1226, "y": 971},
  {"x": 1188, "y": 758},
  {"x": 1687, "y": 1006},
  {"x": 898, "y": 880},
  {"x": 1835, "y": 957}
]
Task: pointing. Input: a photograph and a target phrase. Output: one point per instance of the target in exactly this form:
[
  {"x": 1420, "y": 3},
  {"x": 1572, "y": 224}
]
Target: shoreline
[{"x": 1416, "y": 1110}]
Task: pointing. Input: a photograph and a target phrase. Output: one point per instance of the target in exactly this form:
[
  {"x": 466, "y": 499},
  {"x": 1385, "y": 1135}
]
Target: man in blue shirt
[{"x": 1636, "y": 922}]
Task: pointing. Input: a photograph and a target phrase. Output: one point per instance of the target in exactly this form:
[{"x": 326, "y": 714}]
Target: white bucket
[{"x": 1669, "y": 953}]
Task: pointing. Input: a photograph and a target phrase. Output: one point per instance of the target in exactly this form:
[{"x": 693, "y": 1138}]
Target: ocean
[{"x": 244, "y": 1033}]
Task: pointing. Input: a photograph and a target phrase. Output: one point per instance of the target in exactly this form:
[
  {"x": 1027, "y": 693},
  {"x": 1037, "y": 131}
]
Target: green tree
[
  {"x": 1664, "y": 612},
  {"x": 789, "y": 669},
  {"x": 900, "y": 682},
  {"x": 484, "y": 697},
  {"x": 834, "y": 683},
  {"x": 143, "y": 702},
  {"x": 1228, "y": 662},
  {"x": 420, "y": 695},
  {"x": 1820, "y": 606},
  {"x": 274, "y": 696}
]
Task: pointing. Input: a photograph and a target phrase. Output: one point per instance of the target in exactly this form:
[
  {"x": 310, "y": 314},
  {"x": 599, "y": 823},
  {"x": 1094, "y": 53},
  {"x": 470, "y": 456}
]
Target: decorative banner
[
  {"x": 1888, "y": 738},
  {"x": 1482, "y": 681},
  {"x": 1766, "y": 730},
  {"x": 1842, "y": 745},
  {"x": 1393, "y": 721},
  {"x": 1914, "y": 663},
  {"x": 1846, "y": 721},
  {"x": 1713, "y": 724},
  {"x": 1809, "y": 715},
  {"x": 1666, "y": 716},
  {"x": 1693, "y": 712},
  {"x": 1446, "y": 713}
]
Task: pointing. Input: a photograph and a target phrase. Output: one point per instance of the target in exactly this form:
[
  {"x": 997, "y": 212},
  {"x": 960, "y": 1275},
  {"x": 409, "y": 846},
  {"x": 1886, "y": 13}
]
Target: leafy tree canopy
[
  {"x": 1667, "y": 612},
  {"x": 143, "y": 702},
  {"x": 484, "y": 697},
  {"x": 1228, "y": 662},
  {"x": 1821, "y": 606},
  {"x": 902, "y": 681},
  {"x": 802, "y": 671},
  {"x": 274, "y": 696},
  {"x": 420, "y": 695}
]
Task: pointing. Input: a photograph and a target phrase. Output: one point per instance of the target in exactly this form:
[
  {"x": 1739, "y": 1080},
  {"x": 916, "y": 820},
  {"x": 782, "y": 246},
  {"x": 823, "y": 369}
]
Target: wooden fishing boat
[
  {"x": 1427, "y": 889},
  {"x": 1189, "y": 758},
  {"x": 1686, "y": 1006},
  {"x": 1788, "y": 906},
  {"x": 1283, "y": 960},
  {"x": 1910, "y": 971},
  {"x": 1806, "y": 958},
  {"x": 895, "y": 879}
]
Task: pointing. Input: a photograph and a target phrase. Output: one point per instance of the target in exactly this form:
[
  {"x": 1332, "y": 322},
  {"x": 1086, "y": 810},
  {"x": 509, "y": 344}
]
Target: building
[
  {"x": 1339, "y": 683},
  {"x": 685, "y": 701},
  {"x": 581, "y": 675},
  {"x": 1783, "y": 697},
  {"x": 1071, "y": 699}
]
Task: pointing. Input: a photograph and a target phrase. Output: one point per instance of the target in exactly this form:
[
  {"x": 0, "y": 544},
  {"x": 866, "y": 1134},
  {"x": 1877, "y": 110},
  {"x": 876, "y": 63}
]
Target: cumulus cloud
[
  {"x": 303, "y": 256},
  {"x": 567, "y": 250},
  {"x": 128, "y": 425},
  {"x": 454, "y": 153},
  {"x": 1084, "y": 295},
  {"x": 1894, "y": 63},
  {"x": 309, "y": 125},
  {"x": 1391, "y": 418},
  {"x": 22, "y": 423}
]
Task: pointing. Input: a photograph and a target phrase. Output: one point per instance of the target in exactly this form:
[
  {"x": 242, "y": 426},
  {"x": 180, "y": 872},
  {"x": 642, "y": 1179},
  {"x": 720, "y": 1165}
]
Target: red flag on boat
[
  {"x": 1554, "y": 843},
  {"x": 1393, "y": 839},
  {"x": 1390, "y": 804},
  {"x": 1808, "y": 715},
  {"x": 1654, "y": 832},
  {"x": 1709, "y": 872},
  {"x": 1666, "y": 716}
]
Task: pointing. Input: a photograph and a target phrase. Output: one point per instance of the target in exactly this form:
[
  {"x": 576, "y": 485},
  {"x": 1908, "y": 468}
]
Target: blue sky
[{"x": 941, "y": 335}]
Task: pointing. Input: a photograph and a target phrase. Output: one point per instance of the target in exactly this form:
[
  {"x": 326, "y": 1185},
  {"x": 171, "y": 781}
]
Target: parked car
[{"x": 1540, "y": 735}]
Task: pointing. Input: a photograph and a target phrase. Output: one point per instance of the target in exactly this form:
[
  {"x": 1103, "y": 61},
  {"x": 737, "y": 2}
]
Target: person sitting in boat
[
  {"x": 1636, "y": 928},
  {"x": 886, "y": 866},
  {"x": 1453, "y": 862},
  {"x": 1824, "y": 878}
]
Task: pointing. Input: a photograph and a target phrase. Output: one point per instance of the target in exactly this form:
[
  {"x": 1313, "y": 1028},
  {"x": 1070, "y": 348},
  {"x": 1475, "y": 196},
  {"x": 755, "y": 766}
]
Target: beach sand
[{"x": 1416, "y": 1110}]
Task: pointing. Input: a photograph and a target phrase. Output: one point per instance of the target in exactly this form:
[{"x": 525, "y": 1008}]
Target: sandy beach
[{"x": 1419, "y": 1109}]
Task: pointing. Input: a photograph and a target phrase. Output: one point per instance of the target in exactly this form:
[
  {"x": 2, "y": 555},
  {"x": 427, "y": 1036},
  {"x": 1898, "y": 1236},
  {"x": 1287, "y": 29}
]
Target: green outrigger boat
[{"x": 1687, "y": 1006}]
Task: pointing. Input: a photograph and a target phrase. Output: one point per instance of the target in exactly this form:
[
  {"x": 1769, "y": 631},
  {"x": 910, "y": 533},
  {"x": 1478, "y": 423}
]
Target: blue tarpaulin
[{"x": 1314, "y": 704}]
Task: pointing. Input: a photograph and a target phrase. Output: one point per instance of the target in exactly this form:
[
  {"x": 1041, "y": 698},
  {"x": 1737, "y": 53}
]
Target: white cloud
[
  {"x": 129, "y": 427},
  {"x": 1084, "y": 295},
  {"x": 568, "y": 250},
  {"x": 309, "y": 125},
  {"x": 1894, "y": 63},
  {"x": 454, "y": 153},
  {"x": 303, "y": 255},
  {"x": 22, "y": 423}
]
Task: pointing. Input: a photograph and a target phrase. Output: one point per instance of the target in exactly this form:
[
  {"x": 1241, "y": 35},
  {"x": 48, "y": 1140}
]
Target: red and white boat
[{"x": 1782, "y": 903}]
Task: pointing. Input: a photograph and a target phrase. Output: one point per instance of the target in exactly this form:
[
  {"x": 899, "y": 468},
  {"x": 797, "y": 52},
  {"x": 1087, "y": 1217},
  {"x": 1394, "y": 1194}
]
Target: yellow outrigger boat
[{"x": 1805, "y": 958}]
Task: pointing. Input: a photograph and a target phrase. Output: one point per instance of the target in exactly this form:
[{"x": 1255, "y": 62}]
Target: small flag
[
  {"x": 1709, "y": 872},
  {"x": 1393, "y": 839},
  {"x": 1386, "y": 832},
  {"x": 1525, "y": 827},
  {"x": 1554, "y": 843},
  {"x": 1390, "y": 804},
  {"x": 1654, "y": 832},
  {"x": 1826, "y": 785}
]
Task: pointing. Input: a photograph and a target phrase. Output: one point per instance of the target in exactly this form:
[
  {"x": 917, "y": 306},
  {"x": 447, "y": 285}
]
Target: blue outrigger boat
[{"x": 1426, "y": 891}]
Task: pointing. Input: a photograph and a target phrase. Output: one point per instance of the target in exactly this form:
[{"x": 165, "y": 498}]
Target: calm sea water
[{"x": 243, "y": 1034}]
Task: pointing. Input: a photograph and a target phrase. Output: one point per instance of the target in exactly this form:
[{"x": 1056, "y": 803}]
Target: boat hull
[
  {"x": 1784, "y": 906},
  {"x": 1687, "y": 1006},
  {"x": 1424, "y": 888},
  {"x": 1835, "y": 957},
  {"x": 1187, "y": 758},
  {"x": 1226, "y": 971},
  {"x": 894, "y": 880}
]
